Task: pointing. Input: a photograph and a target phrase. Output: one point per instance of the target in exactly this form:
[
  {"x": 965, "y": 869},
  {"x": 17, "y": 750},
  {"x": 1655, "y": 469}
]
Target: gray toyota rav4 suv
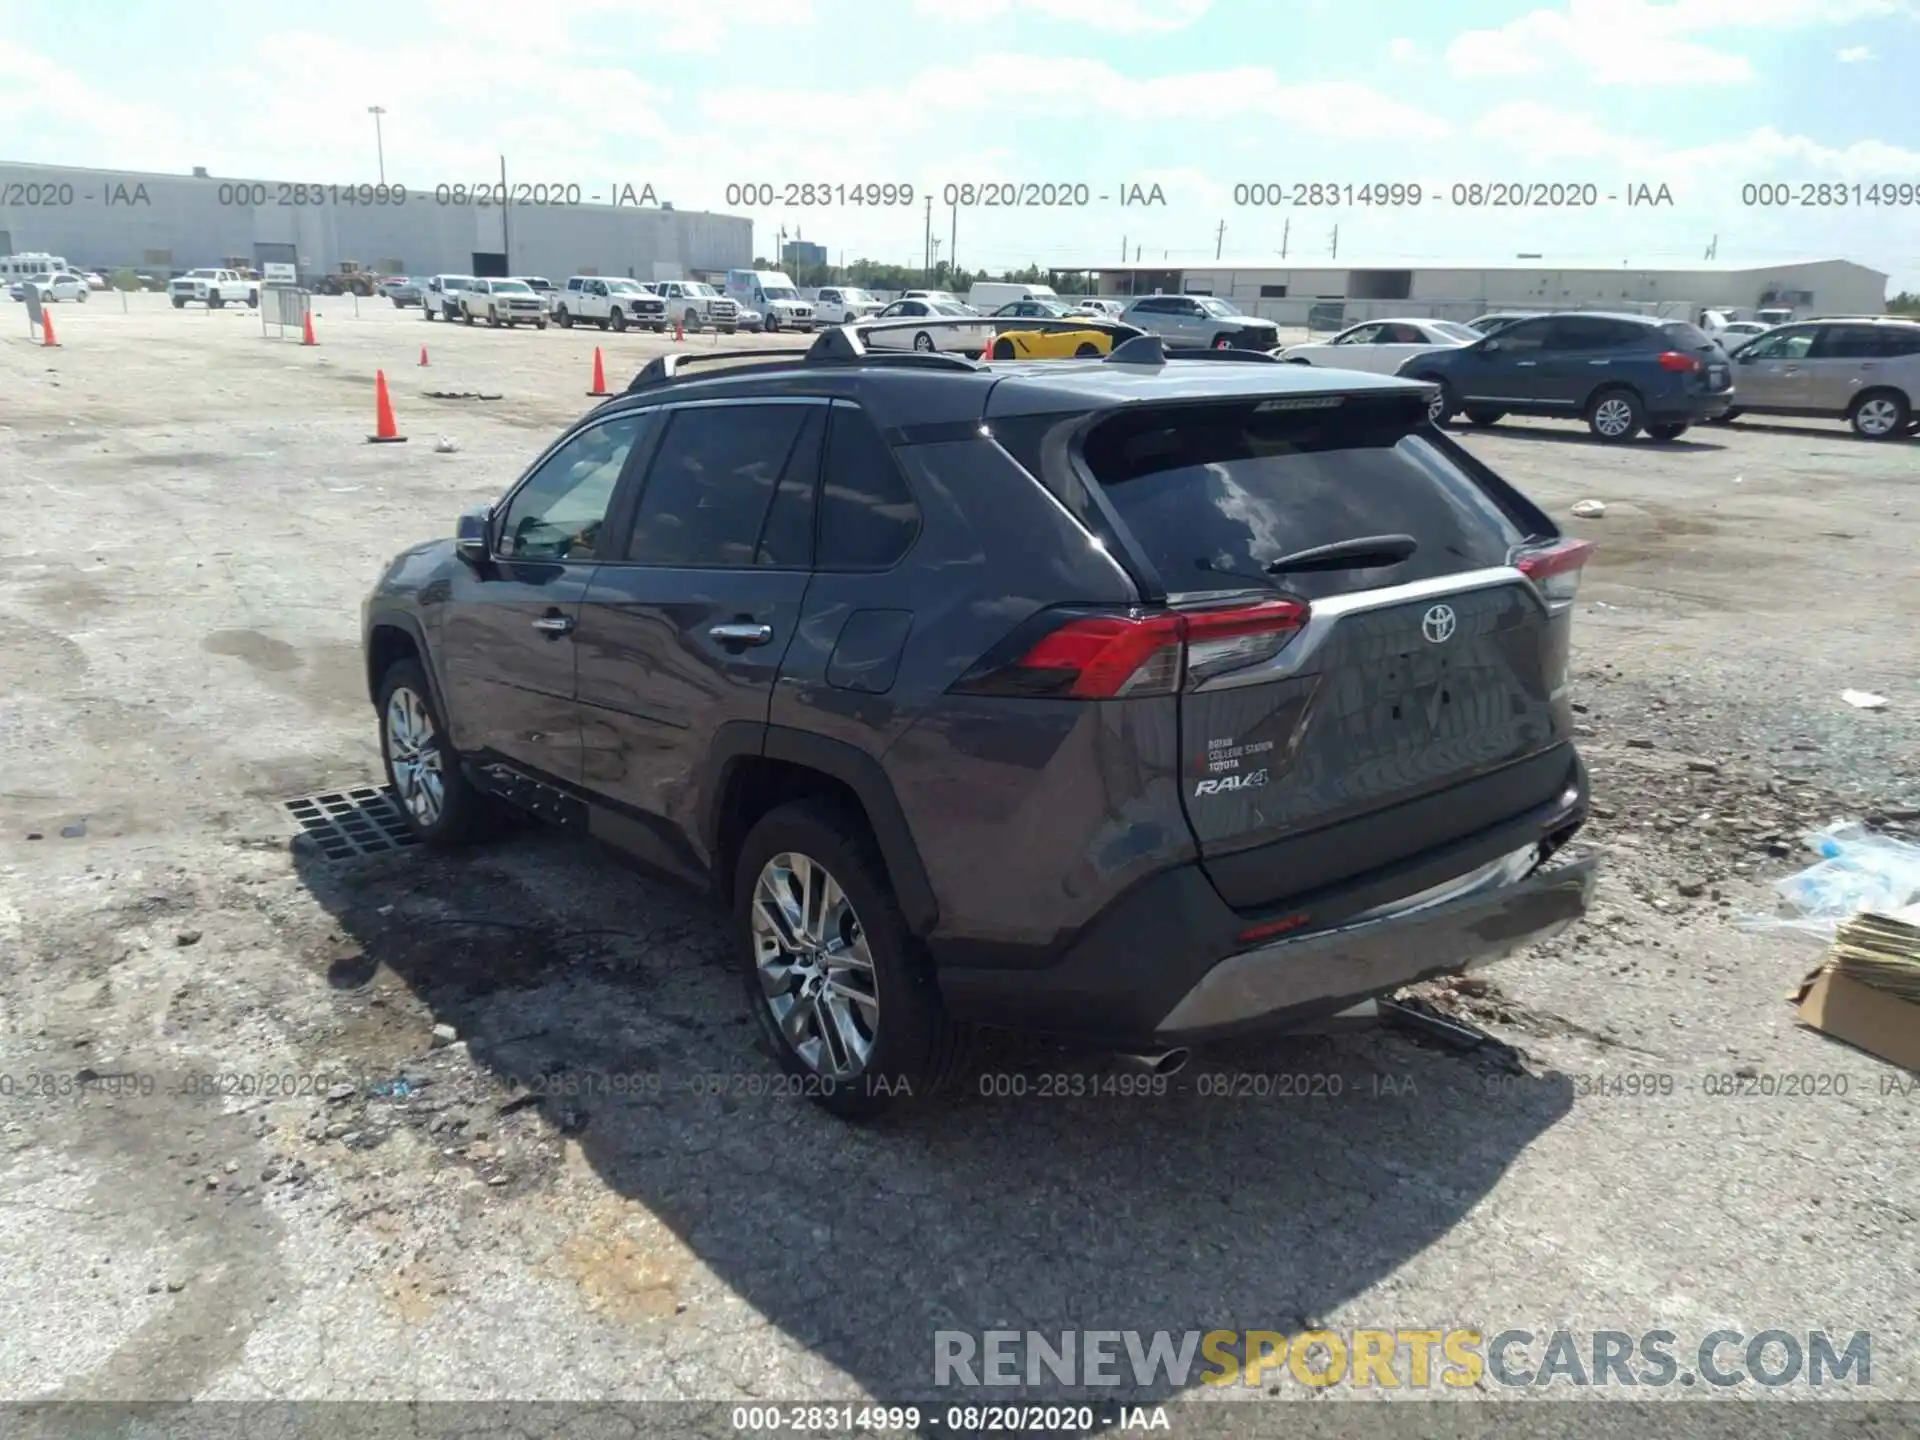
[{"x": 1135, "y": 701}]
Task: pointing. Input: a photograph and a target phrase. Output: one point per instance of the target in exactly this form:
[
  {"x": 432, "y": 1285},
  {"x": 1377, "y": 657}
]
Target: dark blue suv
[
  {"x": 1134, "y": 700},
  {"x": 1620, "y": 373}
]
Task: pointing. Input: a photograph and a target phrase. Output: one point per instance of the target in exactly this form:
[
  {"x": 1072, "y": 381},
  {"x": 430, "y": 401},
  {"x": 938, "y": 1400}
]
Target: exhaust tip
[{"x": 1156, "y": 1062}]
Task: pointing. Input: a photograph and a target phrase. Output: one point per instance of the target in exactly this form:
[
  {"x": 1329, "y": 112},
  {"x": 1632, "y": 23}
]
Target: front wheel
[
  {"x": 439, "y": 805},
  {"x": 1615, "y": 416},
  {"x": 178, "y": 303},
  {"x": 690, "y": 322},
  {"x": 839, "y": 988},
  {"x": 1664, "y": 433},
  {"x": 540, "y": 324},
  {"x": 253, "y": 299},
  {"x": 1223, "y": 342},
  {"x": 619, "y": 320},
  {"x": 215, "y": 302},
  {"x": 493, "y": 317},
  {"x": 1880, "y": 415},
  {"x": 1485, "y": 417},
  {"x": 923, "y": 342}
]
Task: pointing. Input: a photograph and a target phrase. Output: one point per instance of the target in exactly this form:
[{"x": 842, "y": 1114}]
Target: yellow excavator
[{"x": 351, "y": 279}]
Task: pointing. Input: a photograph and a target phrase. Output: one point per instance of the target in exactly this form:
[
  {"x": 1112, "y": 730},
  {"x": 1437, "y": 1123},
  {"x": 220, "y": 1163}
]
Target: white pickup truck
[
  {"x": 213, "y": 288},
  {"x": 611, "y": 302},
  {"x": 697, "y": 305}
]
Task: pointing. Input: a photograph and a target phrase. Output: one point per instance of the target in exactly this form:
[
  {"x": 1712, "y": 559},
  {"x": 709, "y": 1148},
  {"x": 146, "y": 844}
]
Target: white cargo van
[
  {"x": 988, "y": 297},
  {"x": 774, "y": 295}
]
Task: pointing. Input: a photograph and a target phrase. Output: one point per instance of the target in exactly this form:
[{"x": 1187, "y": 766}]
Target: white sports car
[{"x": 1381, "y": 346}]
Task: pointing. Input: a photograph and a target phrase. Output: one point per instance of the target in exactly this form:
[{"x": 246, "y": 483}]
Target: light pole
[{"x": 379, "y": 145}]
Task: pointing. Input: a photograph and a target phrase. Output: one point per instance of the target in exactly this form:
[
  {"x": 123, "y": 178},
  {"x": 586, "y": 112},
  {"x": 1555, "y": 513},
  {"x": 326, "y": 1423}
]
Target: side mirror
[
  {"x": 470, "y": 536},
  {"x": 1489, "y": 347}
]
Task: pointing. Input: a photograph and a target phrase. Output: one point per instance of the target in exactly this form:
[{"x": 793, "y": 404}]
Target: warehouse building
[
  {"x": 163, "y": 225},
  {"x": 1330, "y": 296}
]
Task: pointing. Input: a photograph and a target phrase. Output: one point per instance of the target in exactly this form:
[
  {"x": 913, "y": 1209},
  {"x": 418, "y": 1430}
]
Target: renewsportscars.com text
[{"x": 1402, "y": 1358}]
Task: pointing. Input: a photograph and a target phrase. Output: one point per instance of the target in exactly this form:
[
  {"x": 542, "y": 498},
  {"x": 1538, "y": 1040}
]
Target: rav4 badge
[{"x": 1249, "y": 781}]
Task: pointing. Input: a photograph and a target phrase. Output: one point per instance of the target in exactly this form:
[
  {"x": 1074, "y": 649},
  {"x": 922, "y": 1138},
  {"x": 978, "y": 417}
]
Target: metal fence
[{"x": 283, "y": 307}]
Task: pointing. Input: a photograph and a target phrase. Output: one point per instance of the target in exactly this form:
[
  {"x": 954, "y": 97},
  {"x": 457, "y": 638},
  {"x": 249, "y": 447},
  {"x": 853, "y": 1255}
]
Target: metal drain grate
[{"x": 345, "y": 824}]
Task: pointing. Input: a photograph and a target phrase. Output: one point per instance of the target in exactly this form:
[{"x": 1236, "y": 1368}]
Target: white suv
[{"x": 842, "y": 305}]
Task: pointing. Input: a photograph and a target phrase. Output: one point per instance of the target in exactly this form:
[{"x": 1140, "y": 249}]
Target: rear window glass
[
  {"x": 1239, "y": 487},
  {"x": 1683, "y": 336}
]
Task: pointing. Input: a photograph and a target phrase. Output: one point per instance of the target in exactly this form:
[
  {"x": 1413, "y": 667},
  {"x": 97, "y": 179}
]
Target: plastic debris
[
  {"x": 1860, "y": 872},
  {"x": 1589, "y": 509},
  {"x": 446, "y": 445},
  {"x": 1864, "y": 699}
]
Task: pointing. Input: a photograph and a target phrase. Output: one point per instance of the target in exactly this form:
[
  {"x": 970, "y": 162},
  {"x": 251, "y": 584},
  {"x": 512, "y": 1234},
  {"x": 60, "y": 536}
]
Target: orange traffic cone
[
  {"x": 599, "y": 375},
  {"x": 385, "y": 431},
  {"x": 679, "y": 330},
  {"x": 986, "y": 350},
  {"x": 306, "y": 330},
  {"x": 423, "y": 354},
  {"x": 46, "y": 328}
]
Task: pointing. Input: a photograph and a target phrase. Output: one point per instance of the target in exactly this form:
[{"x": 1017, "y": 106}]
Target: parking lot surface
[{"x": 350, "y": 1171}]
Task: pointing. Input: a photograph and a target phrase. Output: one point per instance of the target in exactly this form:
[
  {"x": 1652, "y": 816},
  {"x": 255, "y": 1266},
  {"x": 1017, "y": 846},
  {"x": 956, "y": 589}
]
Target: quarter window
[{"x": 868, "y": 520}]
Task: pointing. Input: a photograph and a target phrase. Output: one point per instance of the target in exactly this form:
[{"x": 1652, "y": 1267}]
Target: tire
[
  {"x": 602, "y": 322},
  {"x": 690, "y": 322},
  {"x": 539, "y": 324},
  {"x": 618, "y": 319},
  {"x": 493, "y": 317},
  {"x": 459, "y": 817},
  {"x": 1485, "y": 417},
  {"x": 466, "y": 314},
  {"x": 178, "y": 303},
  {"x": 769, "y": 325},
  {"x": 1003, "y": 349},
  {"x": 1664, "y": 433},
  {"x": 913, "y": 1048},
  {"x": 1444, "y": 405},
  {"x": 1726, "y": 419},
  {"x": 1086, "y": 348},
  {"x": 81, "y": 297},
  {"x": 1615, "y": 416},
  {"x": 216, "y": 301},
  {"x": 566, "y": 320},
  {"x": 728, "y": 329},
  {"x": 923, "y": 342},
  {"x": 1298, "y": 360},
  {"x": 397, "y": 305},
  {"x": 1880, "y": 415},
  {"x": 253, "y": 299}
]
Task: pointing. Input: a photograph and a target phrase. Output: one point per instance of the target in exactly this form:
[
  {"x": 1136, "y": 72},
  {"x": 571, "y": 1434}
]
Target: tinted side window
[
  {"x": 1846, "y": 342},
  {"x": 868, "y": 520},
  {"x": 786, "y": 539},
  {"x": 1577, "y": 332},
  {"x": 1523, "y": 336},
  {"x": 557, "y": 514},
  {"x": 1899, "y": 340},
  {"x": 1781, "y": 345},
  {"x": 710, "y": 484}
]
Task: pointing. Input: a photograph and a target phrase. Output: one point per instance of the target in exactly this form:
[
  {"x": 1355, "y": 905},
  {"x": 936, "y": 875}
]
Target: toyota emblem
[{"x": 1438, "y": 624}]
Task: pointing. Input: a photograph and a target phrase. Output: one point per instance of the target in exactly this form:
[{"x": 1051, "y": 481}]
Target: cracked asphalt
[{"x": 238, "y": 1162}]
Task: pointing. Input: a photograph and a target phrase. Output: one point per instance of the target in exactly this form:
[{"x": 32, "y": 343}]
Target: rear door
[
  {"x": 683, "y": 631},
  {"x": 1582, "y": 353},
  {"x": 1844, "y": 360},
  {"x": 1419, "y": 703}
]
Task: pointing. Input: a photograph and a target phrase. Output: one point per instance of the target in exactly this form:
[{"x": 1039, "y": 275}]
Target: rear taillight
[
  {"x": 1109, "y": 657},
  {"x": 1556, "y": 568},
  {"x": 1680, "y": 362}
]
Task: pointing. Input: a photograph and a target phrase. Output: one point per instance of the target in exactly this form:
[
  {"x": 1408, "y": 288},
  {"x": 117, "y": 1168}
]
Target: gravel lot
[{"x": 193, "y": 515}]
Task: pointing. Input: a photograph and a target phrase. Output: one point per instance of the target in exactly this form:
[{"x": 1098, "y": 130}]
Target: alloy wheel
[
  {"x": 816, "y": 972},
  {"x": 414, "y": 757},
  {"x": 1613, "y": 417},
  {"x": 1876, "y": 417},
  {"x": 1437, "y": 407},
  {"x": 923, "y": 342}
]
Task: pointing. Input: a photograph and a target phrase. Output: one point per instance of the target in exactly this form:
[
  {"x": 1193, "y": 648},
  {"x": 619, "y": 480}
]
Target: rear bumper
[
  {"x": 1693, "y": 408},
  {"x": 1168, "y": 963}
]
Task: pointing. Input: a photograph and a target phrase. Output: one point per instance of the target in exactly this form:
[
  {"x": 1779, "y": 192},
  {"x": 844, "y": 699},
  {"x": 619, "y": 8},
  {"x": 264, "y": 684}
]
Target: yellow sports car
[{"x": 1016, "y": 344}]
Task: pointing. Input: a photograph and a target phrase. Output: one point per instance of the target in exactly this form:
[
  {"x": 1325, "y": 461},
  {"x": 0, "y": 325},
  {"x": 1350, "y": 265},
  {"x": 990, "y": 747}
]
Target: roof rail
[{"x": 664, "y": 368}]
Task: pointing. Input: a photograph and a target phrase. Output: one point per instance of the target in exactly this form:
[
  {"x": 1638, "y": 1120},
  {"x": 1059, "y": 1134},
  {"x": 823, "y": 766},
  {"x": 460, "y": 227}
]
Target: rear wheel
[
  {"x": 438, "y": 803},
  {"x": 215, "y": 302},
  {"x": 253, "y": 299},
  {"x": 566, "y": 320},
  {"x": 1615, "y": 416},
  {"x": 1485, "y": 417},
  {"x": 838, "y": 986},
  {"x": 1667, "y": 432},
  {"x": 1880, "y": 415},
  {"x": 178, "y": 303},
  {"x": 1003, "y": 349},
  {"x": 1085, "y": 348}
]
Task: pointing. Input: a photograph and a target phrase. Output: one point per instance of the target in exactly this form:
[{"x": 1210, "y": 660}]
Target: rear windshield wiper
[{"x": 1365, "y": 553}]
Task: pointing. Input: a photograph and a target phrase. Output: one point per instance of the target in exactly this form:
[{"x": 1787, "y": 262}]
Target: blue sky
[{"x": 1196, "y": 96}]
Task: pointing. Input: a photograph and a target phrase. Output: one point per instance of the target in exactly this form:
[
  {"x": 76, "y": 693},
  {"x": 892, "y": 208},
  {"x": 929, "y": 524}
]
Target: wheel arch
[
  {"x": 1867, "y": 394},
  {"x": 754, "y": 769},
  {"x": 394, "y": 636}
]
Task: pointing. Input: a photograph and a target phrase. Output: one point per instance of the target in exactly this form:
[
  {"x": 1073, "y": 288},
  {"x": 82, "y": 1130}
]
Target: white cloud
[
  {"x": 1127, "y": 17},
  {"x": 1402, "y": 49},
  {"x": 1633, "y": 42},
  {"x": 1853, "y": 54}
]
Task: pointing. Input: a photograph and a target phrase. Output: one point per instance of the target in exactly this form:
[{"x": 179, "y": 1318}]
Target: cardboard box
[{"x": 1876, "y": 1021}]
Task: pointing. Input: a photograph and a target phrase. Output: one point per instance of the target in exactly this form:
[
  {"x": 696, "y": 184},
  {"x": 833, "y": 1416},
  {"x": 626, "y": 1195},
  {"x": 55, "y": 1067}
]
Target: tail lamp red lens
[
  {"x": 1556, "y": 568},
  {"x": 1107, "y": 657},
  {"x": 1680, "y": 361}
]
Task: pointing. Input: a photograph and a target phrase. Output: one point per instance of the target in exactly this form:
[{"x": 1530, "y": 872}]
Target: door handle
[
  {"x": 1526, "y": 364},
  {"x": 555, "y": 624},
  {"x": 743, "y": 633}
]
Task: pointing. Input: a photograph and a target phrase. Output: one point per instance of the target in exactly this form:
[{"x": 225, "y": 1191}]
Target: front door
[
  {"x": 508, "y": 646},
  {"x": 1770, "y": 374},
  {"x": 684, "y": 629},
  {"x": 1502, "y": 372}
]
